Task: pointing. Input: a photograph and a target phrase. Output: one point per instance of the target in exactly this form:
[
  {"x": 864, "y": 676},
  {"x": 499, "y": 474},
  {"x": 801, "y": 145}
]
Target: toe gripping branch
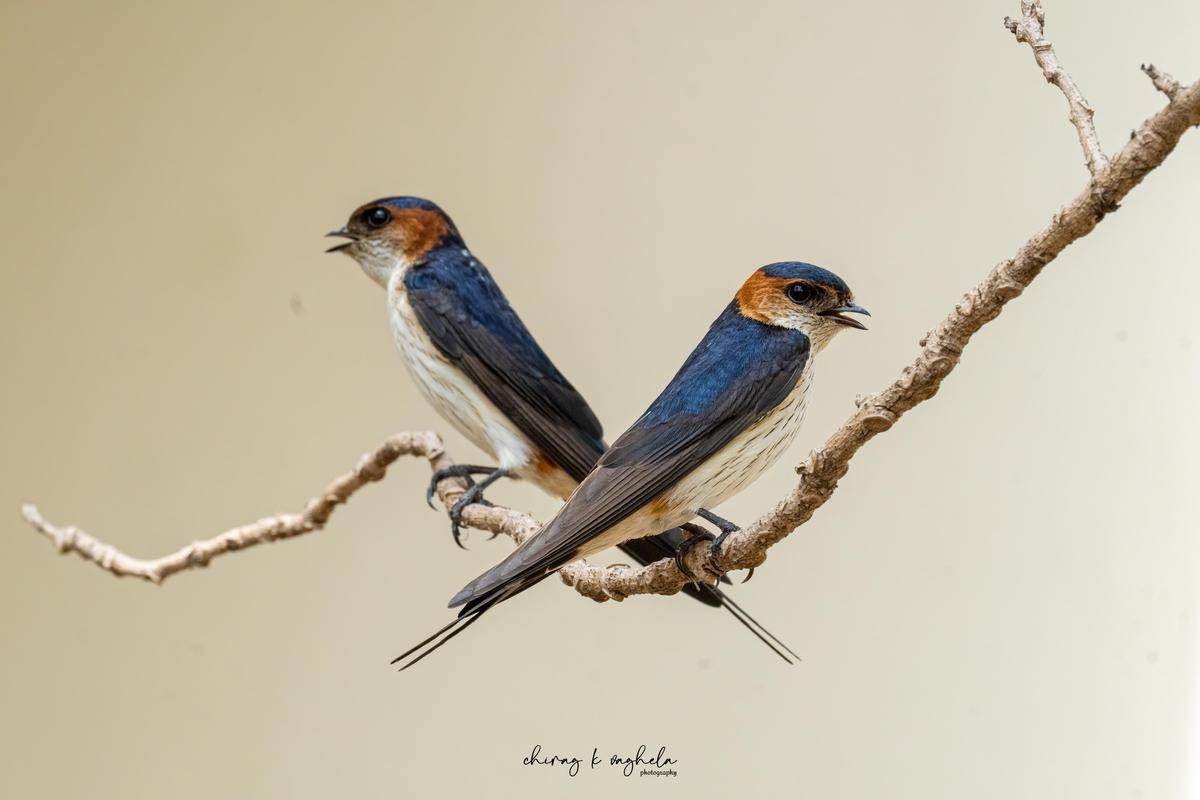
[
  {"x": 473, "y": 494},
  {"x": 699, "y": 534}
]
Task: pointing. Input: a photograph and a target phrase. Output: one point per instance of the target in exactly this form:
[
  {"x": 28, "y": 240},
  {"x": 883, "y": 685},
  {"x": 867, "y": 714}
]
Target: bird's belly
[
  {"x": 647, "y": 521},
  {"x": 749, "y": 455},
  {"x": 730, "y": 470},
  {"x": 451, "y": 393}
]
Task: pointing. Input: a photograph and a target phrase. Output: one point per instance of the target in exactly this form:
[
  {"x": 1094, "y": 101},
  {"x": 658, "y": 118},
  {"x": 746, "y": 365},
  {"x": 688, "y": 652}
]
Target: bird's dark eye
[
  {"x": 378, "y": 217},
  {"x": 799, "y": 293}
]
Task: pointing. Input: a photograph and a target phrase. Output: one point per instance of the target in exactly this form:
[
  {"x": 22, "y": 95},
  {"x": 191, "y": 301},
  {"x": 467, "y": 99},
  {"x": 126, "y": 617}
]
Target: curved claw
[
  {"x": 714, "y": 550},
  {"x": 464, "y": 471},
  {"x": 456, "y": 531},
  {"x": 473, "y": 495},
  {"x": 698, "y": 535},
  {"x": 749, "y": 575},
  {"x": 457, "y": 471},
  {"x": 456, "y": 517}
]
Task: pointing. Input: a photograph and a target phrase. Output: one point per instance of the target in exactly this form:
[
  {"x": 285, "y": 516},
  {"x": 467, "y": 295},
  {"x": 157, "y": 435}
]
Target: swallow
[
  {"x": 476, "y": 363},
  {"x": 725, "y": 418}
]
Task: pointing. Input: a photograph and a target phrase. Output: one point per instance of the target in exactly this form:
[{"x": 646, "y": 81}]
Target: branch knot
[
  {"x": 198, "y": 556},
  {"x": 64, "y": 540}
]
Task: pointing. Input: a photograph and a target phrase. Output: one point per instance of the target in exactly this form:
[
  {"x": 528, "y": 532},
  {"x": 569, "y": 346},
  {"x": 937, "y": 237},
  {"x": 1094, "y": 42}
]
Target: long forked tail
[
  {"x": 752, "y": 625},
  {"x": 456, "y": 626},
  {"x": 476, "y": 608},
  {"x": 664, "y": 545},
  {"x": 470, "y": 616},
  {"x": 466, "y": 618}
]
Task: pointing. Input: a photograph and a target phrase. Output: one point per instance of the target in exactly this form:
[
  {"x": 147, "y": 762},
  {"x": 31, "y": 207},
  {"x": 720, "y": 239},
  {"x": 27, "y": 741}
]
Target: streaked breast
[{"x": 748, "y": 456}]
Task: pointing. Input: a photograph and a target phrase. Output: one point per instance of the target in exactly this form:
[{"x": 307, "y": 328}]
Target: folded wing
[{"x": 739, "y": 372}]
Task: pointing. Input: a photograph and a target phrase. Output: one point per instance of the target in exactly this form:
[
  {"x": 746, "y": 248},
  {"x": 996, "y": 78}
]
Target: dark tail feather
[
  {"x": 457, "y": 626},
  {"x": 484, "y": 603},
  {"x": 753, "y": 625},
  {"x": 653, "y": 548},
  {"x": 465, "y": 619}
]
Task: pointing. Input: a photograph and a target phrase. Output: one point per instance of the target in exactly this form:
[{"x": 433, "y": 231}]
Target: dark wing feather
[
  {"x": 478, "y": 338},
  {"x": 739, "y": 372},
  {"x": 473, "y": 325}
]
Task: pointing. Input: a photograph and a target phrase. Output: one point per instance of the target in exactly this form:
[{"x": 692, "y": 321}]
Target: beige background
[{"x": 999, "y": 602}]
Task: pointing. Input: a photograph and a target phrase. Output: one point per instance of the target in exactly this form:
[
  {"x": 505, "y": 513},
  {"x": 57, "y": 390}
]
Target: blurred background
[{"x": 1000, "y": 600}]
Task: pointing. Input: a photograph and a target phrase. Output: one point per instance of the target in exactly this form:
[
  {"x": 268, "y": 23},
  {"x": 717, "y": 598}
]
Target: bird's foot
[
  {"x": 697, "y": 535},
  {"x": 464, "y": 471},
  {"x": 714, "y": 549},
  {"x": 472, "y": 496}
]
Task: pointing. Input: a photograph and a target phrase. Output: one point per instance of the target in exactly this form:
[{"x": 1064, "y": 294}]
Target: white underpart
[
  {"x": 751, "y": 453},
  {"x": 731, "y": 469},
  {"x": 451, "y": 393}
]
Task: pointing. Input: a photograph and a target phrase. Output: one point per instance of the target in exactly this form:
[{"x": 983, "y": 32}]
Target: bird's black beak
[
  {"x": 835, "y": 314},
  {"x": 345, "y": 234}
]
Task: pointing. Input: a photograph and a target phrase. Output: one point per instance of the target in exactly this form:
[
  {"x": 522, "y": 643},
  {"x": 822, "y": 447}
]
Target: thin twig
[
  {"x": 1029, "y": 30},
  {"x": 371, "y": 467},
  {"x": 1162, "y": 81}
]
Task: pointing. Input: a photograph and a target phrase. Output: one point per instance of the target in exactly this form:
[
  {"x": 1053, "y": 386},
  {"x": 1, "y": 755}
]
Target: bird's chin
[
  {"x": 377, "y": 263},
  {"x": 825, "y": 329}
]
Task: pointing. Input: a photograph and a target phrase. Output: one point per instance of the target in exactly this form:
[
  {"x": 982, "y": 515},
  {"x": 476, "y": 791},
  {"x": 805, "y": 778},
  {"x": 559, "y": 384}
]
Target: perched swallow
[
  {"x": 726, "y": 417},
  {"x": 475, "y": 362}
]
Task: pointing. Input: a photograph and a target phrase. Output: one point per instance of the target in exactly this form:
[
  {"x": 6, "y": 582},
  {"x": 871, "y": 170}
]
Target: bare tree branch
[
  {"x": 371, "y": 467},
  {"x": 941, "y": 350},
  {"x": 1029, "y": 30}
]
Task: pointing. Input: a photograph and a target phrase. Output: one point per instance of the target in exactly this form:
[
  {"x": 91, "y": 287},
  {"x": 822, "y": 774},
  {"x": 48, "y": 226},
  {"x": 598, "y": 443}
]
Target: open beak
[
  {"x": 835, "y": 314},
  {"x": 345, "y": 234}
]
